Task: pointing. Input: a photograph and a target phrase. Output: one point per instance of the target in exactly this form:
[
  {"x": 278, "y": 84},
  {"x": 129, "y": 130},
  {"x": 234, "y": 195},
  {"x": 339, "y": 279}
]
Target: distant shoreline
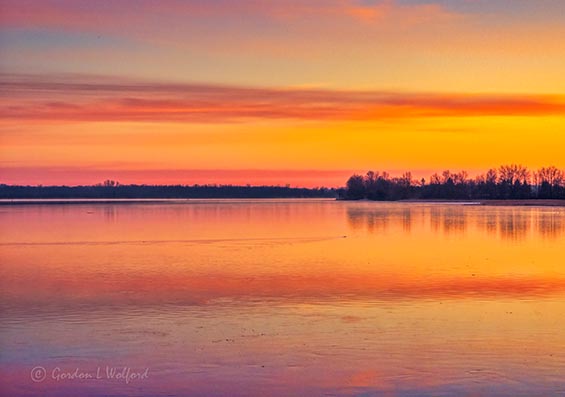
[
  {"x": 77, "y": 201},
  {"x": 526, "y": 203},
  {"x": 112, "y": 191},
  {"x": 496, "y": 203}
]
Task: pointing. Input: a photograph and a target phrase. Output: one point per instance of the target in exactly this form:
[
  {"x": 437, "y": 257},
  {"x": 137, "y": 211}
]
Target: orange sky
[{"x": 304, "y": 94}]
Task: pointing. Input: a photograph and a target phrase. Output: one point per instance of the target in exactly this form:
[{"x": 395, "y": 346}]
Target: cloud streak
[
  {"x": 82, "y": 14},
  {"x": 103, "y": 99}
]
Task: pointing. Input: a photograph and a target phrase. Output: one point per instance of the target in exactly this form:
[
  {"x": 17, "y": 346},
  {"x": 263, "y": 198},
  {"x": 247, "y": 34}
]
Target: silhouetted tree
[
  {"x": 355, "y": 188},
  {"x": 508, "y": 182},
  {"x": 548, "y": 182},
  {"x": 110, "y": 183}
]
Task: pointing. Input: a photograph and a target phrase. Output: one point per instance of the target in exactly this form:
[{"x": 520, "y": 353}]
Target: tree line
[
  {"x": 112, "y": 189},
  {"x": 504, "y": 183}
]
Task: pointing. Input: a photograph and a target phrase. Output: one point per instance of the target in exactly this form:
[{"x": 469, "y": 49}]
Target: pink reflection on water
[{"x": 279, "y": 298}]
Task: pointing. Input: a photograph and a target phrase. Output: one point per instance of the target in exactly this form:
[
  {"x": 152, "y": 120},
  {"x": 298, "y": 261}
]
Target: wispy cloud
[
  {"x": 76, "y": 98},
  {"x": 83, "y": 14}
]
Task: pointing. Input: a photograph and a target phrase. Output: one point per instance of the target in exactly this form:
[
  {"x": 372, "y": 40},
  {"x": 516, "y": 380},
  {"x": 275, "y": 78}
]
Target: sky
[{"x": 277, "y": 92}]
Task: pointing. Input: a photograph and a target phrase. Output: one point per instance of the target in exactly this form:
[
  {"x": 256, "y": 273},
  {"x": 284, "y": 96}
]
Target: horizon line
[{"x": 246, "y": 177}]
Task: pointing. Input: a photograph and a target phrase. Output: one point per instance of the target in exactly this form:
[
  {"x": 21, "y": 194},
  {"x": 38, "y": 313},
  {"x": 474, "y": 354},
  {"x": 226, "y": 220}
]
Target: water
[{"x": 282, "y": 298}]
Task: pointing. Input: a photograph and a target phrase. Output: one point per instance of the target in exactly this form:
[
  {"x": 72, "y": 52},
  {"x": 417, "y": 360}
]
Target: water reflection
[
  {"x": 109, "y": 213},
  {"x": 506, "y": 223},
  {"x": 284, "y": 298},
  {"x": 550, "y": 224}
]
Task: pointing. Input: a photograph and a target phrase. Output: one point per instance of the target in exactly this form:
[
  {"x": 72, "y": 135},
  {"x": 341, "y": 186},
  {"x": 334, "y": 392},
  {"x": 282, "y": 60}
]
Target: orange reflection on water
[{"x": 295, "y": 297}]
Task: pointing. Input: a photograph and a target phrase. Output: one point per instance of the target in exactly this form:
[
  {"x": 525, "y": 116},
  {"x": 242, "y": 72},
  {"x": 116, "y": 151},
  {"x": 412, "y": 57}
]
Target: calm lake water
[{"x": 281, "y": 298}]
